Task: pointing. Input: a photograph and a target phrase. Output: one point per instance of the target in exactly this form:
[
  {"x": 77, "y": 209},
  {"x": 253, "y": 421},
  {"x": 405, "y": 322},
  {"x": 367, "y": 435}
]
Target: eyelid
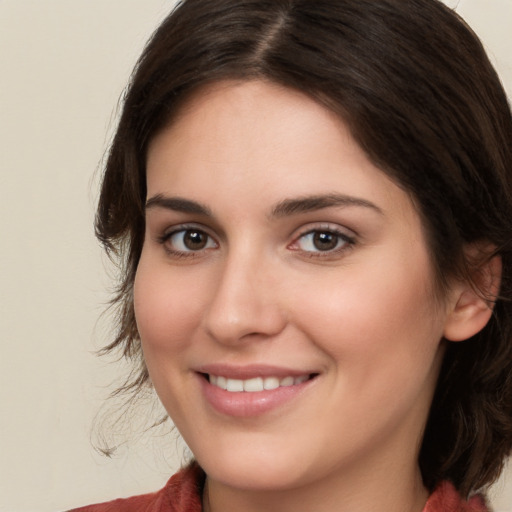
[
  {"x": 184, "y": 226},
  {"x": 343, "y": 233},
  {"x": 173, "y": 230}
]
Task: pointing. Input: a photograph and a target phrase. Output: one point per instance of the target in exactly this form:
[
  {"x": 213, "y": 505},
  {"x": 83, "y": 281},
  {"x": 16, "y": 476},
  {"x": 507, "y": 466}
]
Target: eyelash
[
  {"x": 342, "y": 238},
  {"x": 343, "y": 242},
  {"x": 177, "y": 253}
]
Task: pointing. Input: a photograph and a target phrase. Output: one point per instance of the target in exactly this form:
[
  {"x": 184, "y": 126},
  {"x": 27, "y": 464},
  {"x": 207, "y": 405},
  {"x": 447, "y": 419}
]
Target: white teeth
[
  {"x": 287, "y": 381},
  {"x": 271, "y": 383},
  {"x": 234, "y": 385},
  {"x": 255, "y": 384}
]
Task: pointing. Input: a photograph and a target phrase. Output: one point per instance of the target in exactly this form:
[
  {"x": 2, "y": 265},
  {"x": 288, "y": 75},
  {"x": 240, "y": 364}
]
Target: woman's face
[{"x": 281, "y": 264}]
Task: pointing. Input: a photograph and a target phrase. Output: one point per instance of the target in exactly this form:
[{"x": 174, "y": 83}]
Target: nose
[{"x": 245, "y": 303}]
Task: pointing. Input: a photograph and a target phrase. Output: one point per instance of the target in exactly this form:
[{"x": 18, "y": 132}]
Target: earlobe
[{"x": 472, "y": 303}]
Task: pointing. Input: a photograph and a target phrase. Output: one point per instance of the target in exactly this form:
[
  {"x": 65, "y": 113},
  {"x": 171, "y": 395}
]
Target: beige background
[{"x": 63, "y": 65}]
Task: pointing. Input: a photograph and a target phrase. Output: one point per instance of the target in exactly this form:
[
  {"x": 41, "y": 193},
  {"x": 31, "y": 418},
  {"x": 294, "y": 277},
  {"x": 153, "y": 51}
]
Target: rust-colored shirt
[{"x": 183, "y": 492}]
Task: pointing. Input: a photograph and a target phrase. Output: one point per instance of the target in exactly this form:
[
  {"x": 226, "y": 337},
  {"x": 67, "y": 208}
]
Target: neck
[{"x": 361, "y": 491}]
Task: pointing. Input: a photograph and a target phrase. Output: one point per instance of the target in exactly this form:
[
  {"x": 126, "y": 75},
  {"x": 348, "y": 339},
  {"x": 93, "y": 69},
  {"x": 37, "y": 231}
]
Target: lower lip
[{"x": 247, "y": 404}]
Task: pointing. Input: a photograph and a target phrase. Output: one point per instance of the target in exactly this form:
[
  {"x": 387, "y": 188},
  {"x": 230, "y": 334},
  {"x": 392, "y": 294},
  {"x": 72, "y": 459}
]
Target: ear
[{"x": 471, "y": 302}]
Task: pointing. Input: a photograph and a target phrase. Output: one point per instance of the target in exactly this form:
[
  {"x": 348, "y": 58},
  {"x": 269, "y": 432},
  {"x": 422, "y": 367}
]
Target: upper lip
[{"x": 250, "y": 371}]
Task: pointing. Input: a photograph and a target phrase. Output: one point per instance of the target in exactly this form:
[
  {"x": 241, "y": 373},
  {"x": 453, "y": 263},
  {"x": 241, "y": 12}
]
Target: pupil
[
  {"x": 325, "y": 241},
  {"x": 195, "y": 240}
]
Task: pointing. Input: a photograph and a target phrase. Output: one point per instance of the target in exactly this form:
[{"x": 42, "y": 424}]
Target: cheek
[
  {"x": 381, "y": 332},
  {"x": 375, "y": 319},
  {"x": 168, "y": 310},
  {"x": 168, "y": 306}
]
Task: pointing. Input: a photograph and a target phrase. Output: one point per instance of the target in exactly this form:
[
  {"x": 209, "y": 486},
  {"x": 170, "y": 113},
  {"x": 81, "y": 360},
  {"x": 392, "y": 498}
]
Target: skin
[{"x": 363, "y": 316}]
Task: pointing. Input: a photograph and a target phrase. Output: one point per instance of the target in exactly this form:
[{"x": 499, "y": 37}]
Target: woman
[{"x": 312, "y": 202}]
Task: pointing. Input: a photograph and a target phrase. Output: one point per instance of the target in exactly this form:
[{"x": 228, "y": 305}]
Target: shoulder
[
  {"x": 446, "y": 499},
  {"x": 182, "y": 493}
]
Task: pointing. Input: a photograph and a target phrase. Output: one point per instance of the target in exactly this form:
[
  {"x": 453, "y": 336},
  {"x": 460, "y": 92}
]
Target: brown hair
[{"x": 413, "y": 83}]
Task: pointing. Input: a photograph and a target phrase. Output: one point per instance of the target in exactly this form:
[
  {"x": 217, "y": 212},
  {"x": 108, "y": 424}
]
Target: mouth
[
  {"x": 253, "y": 390},
  {"x": 256, "y": 384}
]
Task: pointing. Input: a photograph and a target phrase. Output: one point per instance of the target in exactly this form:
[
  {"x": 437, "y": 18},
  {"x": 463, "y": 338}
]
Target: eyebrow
[
  {"x": 318, "y": 202},
  {"x": 178, "y": 204},
  {"x": 284, "y": 208}
]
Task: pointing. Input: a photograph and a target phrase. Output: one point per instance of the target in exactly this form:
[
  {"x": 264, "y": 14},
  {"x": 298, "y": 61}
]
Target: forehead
[
  {"x": 247, "y": 109},
  {"x": 259, "y": 141}
]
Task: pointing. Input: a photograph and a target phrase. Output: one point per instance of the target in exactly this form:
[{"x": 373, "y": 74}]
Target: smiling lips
[
  {"x": 252, "y": 392},
  {"x": 255, "y": 384}
]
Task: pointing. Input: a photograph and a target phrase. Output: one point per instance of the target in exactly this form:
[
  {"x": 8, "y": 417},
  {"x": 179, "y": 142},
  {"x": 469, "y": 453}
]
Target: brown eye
[
  {"x": 189, "y": 240},
  {"x": 325, "y": 241},
  {"x": 195, "y": 240}
]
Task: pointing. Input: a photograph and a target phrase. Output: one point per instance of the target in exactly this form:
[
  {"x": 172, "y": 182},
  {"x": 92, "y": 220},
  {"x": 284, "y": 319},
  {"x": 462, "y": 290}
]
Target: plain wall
[{"x": 63, "y": 66}]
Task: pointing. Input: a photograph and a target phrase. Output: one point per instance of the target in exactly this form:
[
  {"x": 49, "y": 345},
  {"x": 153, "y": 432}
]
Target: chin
[{"x": 259, "y": 471}]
